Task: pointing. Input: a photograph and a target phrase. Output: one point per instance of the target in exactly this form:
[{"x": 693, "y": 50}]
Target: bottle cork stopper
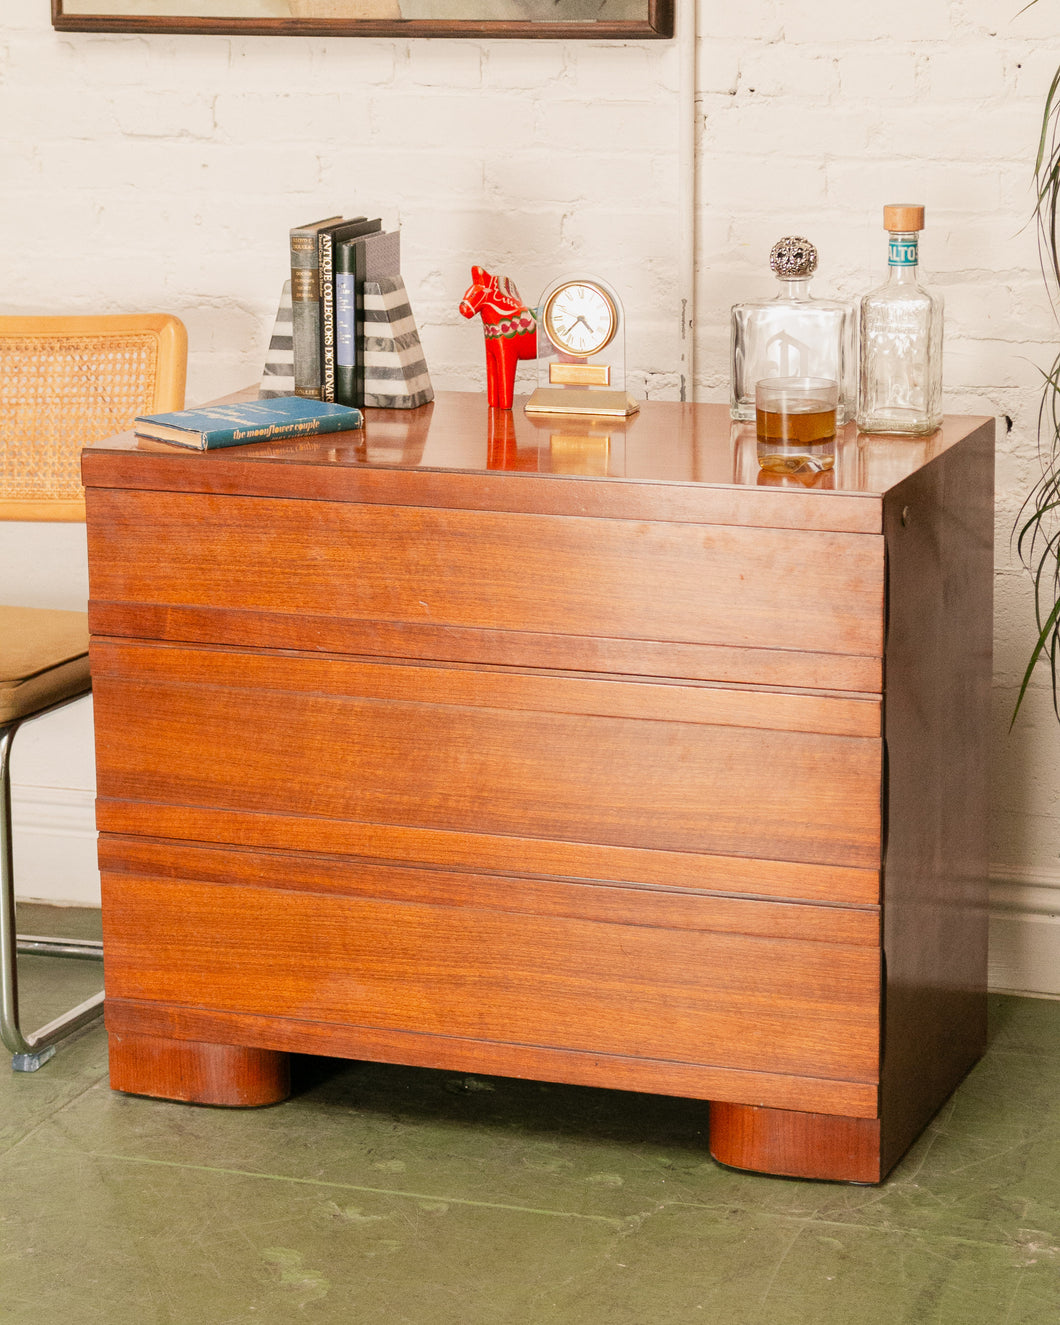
[{"x": 903, "y": 216}]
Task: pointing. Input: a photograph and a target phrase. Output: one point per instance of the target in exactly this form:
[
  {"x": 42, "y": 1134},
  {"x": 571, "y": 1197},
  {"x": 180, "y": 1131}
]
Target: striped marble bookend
[
  {"x": 277, "y": 378},
  {"x": 395, "y": 371}
]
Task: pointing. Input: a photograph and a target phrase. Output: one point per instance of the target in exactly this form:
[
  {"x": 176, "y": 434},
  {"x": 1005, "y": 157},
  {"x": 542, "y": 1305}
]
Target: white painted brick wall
[{"x": 165, "y": 171}]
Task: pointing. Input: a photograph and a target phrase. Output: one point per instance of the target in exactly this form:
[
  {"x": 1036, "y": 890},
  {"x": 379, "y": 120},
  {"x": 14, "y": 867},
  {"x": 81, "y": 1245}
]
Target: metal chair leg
[{"x": 29, "y": 1052}]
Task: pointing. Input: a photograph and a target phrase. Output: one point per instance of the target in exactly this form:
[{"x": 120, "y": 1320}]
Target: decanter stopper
[
  {"x": 793, "y": 257},
  {"x": 903, "y": 216}
]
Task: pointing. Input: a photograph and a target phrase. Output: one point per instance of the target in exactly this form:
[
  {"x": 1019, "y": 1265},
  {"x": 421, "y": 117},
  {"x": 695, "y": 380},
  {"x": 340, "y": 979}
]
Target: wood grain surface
[
  {"x": 482, "y": 570},
  {"x": 412, "y": 749},
  {"x": 786, "y": 668},
  {"x": 203, "y": 1026},
  {"x": 206, "y": 1073},
  {"x": 471, "y": 972},
  {"x": 937, "y": 865},
  {"x": 572, "y": 898},
  {"x": 549, "y": 770},
  {"x": 796, "y": 1144},
  {"x": 510, "y": 854}
]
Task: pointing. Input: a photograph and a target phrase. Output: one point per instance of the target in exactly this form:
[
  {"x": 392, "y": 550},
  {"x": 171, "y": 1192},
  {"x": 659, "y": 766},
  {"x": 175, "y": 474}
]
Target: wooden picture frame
[{"x": 644, "y": 19}]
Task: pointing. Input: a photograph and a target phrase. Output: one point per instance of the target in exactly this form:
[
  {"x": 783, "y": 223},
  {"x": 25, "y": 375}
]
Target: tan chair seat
[{"x": 43, "y": 659}]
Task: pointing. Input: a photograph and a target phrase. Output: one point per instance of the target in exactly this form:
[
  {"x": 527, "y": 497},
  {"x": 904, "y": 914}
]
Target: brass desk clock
[{"x": 581, "y": 366}]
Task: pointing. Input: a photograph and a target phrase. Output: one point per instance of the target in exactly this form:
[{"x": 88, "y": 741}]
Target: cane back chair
[{"x": 64, "y": 381}]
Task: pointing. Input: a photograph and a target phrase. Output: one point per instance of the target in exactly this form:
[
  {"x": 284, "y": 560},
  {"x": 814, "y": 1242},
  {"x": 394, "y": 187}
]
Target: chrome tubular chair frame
[{"x": 31, "y": 1051}]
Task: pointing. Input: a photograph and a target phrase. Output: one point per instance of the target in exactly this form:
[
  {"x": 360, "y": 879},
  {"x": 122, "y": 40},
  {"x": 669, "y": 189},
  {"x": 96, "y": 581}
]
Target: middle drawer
[{"x": 595, "y": 762}]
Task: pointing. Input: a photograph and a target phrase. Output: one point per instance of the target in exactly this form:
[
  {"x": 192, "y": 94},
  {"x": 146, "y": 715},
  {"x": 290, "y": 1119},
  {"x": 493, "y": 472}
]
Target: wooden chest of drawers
[{"x": 550, "y": 749}]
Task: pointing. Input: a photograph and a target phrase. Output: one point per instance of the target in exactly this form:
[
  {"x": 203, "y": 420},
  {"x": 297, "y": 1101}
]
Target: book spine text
[{"x": 305, "y": 313}]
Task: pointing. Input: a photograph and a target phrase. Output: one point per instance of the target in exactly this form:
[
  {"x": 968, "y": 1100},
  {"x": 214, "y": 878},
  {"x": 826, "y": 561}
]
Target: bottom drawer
[{"x": 570, "y": 974}]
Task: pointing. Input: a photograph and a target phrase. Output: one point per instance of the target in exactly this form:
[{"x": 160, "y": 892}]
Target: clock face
[{"x": 580, "y": 318}]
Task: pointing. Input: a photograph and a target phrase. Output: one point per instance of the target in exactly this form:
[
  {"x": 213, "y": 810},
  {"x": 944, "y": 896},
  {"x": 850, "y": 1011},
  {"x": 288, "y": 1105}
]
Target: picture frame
[{"x": 555, "y": 19}]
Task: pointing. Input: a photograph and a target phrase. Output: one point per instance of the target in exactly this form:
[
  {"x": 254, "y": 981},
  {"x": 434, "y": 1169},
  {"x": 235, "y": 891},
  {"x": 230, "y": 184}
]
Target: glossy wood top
[{"x": 664, "y": 442}]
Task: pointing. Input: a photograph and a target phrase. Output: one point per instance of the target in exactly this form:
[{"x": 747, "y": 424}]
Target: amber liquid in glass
[{"x": 793, "y": 441}]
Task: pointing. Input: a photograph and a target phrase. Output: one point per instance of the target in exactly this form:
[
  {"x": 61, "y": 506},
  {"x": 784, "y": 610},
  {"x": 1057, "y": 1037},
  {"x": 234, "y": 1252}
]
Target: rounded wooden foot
[
  {"x": 197, "y": 1073},
  {"x": 796, "y": 1145}
]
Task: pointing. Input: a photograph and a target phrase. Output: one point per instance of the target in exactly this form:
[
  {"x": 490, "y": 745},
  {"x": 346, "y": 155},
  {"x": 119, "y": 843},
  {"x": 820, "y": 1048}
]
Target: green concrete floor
[{"x": 394, "y": 1196}]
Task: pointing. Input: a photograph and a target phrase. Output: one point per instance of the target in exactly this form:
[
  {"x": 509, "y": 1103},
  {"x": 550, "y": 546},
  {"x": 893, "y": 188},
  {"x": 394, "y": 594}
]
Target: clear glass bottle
[
  {"x": 900, "y": 387},
  {"x": 793, "y": 334}
]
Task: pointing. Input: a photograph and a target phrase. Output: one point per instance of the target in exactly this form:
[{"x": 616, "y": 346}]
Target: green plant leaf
[{"x": 1038, "y": 536}]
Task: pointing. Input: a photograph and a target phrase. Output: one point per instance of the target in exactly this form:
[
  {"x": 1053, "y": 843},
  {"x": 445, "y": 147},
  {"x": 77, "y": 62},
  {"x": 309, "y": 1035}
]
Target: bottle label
[{"x": 902, "y": 253}]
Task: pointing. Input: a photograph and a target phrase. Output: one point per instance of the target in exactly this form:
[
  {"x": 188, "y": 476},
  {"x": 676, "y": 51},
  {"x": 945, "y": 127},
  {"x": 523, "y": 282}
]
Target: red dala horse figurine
[{"x": 510, "y": 329}]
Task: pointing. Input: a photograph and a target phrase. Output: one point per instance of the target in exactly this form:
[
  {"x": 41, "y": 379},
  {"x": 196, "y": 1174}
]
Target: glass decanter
[
  {"x": 900, "y": 389},
  {"x": 793, "y": 334}
]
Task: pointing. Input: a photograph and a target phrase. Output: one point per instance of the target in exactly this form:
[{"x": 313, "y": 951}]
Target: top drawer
[{"x": 790, "y": 607}]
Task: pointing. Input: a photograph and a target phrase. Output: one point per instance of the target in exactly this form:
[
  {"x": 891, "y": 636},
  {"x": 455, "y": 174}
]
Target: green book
[
  {"x": 329, "y": 241},
  {"x": 368, "y": 257}
]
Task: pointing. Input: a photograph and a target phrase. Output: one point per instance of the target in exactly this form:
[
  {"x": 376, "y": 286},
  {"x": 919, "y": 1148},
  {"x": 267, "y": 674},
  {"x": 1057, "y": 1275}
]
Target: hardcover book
[
  {"x": 329, "y": 241},
  {"x": 252, "y": 421},
  {"x": 305, "y": 300},
  {"x": 367, "y": 258}
]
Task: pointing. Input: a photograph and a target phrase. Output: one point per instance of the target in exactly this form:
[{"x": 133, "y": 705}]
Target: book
[
  {"x": 370, "y": 257},
  {"x": 327, "y": 239},
  {"x": 305, "y": 305},
  {"x": 215, "y": 426}
]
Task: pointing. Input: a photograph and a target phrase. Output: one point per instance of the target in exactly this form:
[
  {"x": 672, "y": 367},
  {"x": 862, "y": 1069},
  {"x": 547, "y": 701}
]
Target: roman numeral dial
[{"x": 580, "y": 318}]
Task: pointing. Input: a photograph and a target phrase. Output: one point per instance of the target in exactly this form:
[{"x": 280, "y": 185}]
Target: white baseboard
[
  {"x": 1025, "y": 930},
  {"x": 55, "y": 861},
  {"x": 55, "y": 845}
]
